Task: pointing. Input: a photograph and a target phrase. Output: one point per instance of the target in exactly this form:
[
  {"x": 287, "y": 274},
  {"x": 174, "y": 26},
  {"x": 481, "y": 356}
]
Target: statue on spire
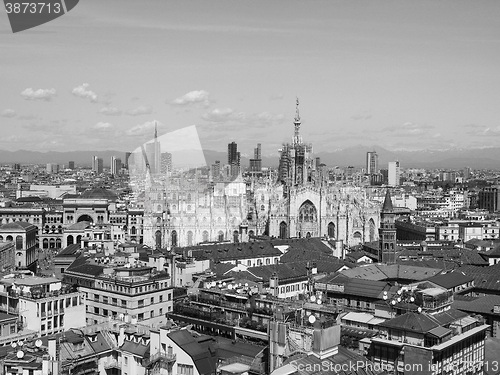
[
  {"x": 156, "y": 130},
  {"x": 297, "y": 116}
]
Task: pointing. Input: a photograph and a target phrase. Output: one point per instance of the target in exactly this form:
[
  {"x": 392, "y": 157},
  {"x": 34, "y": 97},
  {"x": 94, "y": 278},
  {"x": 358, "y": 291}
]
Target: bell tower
[{"x": 387, "y": 232}]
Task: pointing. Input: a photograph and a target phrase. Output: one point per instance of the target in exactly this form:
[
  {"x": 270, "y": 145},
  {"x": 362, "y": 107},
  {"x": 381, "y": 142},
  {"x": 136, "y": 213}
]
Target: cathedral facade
[{"x": 188, "y": 208}]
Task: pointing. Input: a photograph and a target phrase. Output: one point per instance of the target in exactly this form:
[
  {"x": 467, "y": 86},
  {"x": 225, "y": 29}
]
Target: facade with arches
[
  {"x": 23, "y": 236},
  {"x": 188, "y": 209}
]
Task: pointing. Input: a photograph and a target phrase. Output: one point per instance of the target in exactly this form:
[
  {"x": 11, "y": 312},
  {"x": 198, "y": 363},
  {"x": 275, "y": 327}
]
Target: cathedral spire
[
  {"x": 156, "y": 131},
  {"x": 297, "y": 123}
]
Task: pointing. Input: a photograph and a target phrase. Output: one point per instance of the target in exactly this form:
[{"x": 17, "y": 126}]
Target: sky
[{"x": 395, "y": 74}]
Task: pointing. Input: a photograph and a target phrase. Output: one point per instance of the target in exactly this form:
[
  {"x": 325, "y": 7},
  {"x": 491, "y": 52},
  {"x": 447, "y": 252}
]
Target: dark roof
[
  {"x": 449, "y": 316},
  {"x": 485, "y": 278},
  {"x": 29, "y": 199},
  {"x": 230, "y": 251},
  {"x": 451, "y": 279},
  {"x": 17, "y": 225},
  {"x": 201, "y": 358},
  {"x": 4, "y": 316},
  {"x": 457, "y": 255},
  {"x": 99, "y": 193},
  {"x": 135, "y": 348},
  {"x": 69, "y": 250},
  {"x": 387, "y": 207},
  {"x": 85, "y": 268},
  {"x": 411, "y": 321},
  {"x": 481, "y": 305}
]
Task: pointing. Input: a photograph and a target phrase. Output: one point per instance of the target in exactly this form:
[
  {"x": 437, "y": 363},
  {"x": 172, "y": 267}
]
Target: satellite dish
[
  {"x": 224, "y": 283},
  {"x": 14, "y": 345},
  {"x": 20, "y": 343},
  {"x": 400, "y": 291},
  {"x": 385, "y": 292},
  {"x": 313, "y": 298},
  {"x": 384, "y": 297},
  {"x": 319, "y": 302},
  {"x": 38, "y": 343},
  {"x": 308, "y": 313},
  {"x": 20, "y": 354},
  {"x": 312, "y": 319},
  {"x": 230, "y": 286},
  {"x": 246, "y": 285},
  {"x": 419, "y": 309},
  {"x": 393, "y": 302},
  {"x": 412, "y": 299}
]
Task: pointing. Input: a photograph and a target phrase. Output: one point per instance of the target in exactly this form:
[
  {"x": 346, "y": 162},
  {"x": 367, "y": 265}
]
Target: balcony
[{"x": 165, "y": 360}]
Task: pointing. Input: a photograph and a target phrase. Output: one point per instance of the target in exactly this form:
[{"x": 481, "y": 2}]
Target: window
[
  {"x": 161, "y": 298},
  {"x": 183, "y": 369},
  {"x": 152, "y": 300}
]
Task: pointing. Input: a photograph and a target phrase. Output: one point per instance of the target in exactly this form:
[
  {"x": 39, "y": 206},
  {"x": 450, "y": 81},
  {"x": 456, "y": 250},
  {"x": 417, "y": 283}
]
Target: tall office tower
[
  {"x": 371, "y": 162},
  {"x": 256, "y": 162},
  {"x": 257, "y": 152},
  {"x": 216, "y": 170},
  {"x": 466, "y": 173},
  {"x": 394, "y": 173},
  {"x": 233, "y": 158},
  {"x": 232, "y": 150},
  {"x": 116, "y": 165},
  {"x": 97, "y": 165},
  {"x": 166, "y": 162},
  {"x": 71, "y": 165},
  {"x": 127, "y": 156},
  {"x": 94, "y": 162},
  {"x": 52, "y": 168}
]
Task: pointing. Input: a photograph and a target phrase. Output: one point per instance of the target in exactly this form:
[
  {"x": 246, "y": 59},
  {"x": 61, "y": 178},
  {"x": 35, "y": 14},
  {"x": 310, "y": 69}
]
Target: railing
[{"x": 161, "y": 356}]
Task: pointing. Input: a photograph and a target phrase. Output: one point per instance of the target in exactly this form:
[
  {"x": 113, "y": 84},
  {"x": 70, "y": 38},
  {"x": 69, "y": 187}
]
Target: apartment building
[
  {"x": 43, "y": 304},
  {"x": 113, "y": 290}
]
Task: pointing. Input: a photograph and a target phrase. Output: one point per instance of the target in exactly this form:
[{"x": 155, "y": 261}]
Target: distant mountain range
[{"x": 479, "y": 158}]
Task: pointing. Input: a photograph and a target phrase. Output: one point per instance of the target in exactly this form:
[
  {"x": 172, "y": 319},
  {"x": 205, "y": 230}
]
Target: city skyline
[{"x": 399, "y": 75}]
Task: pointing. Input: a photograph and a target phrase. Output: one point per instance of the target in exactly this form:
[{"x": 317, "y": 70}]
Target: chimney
[
  {"x": 339, "y": 249},
  {"x": 52, "y": 344},
  {"x": 121, "y": 336},
  {"x": 273, "y": 284}
]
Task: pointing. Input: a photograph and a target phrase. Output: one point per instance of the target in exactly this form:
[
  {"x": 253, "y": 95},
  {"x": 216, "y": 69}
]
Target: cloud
[
  {"x": 40, "y": 94},
  {"x": 103, "y": 126},
  {"x": 361, "y": 117},
  {"x": 28, "y": 117},
  {"x": 477, "y": 130},
  {"x": 82, "y": 91},
  {"x": 110, "y": 111},
  {"x": 276, "y": 97},
  {"x": 193, "y": 97},
  {"x": 141, "y": 110},
  {"x": 488, "y": 132},
  {"x": 227, "y": 115},
  {"x": 408, "y": 129},
  {"x": 147, "y": 128},
  {"x": 9, "y": 113}
]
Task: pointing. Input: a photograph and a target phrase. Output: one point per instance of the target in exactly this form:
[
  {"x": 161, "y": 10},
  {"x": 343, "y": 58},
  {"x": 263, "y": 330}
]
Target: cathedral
[{"x": 190, "y": 207}]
